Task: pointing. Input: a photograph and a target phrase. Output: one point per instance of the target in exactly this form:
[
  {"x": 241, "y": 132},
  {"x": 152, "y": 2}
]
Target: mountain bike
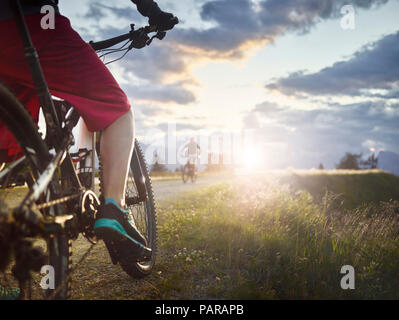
[
  {"x": 48, "y": 193},
  {"x": 189, "y": 171}
]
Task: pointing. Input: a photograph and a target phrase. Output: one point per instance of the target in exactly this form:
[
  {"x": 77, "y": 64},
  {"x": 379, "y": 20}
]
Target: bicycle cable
[
  {"x": 126, "y": 51},
  {"x": 105, "y": 52}
]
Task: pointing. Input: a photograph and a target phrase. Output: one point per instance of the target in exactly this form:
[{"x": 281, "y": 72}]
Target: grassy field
[
  {"x": 352, "y": 187},
  {"x": 269, "y": 242},
  {"x": 274, "y": 236},
  {"x": 168, "y": 175}
]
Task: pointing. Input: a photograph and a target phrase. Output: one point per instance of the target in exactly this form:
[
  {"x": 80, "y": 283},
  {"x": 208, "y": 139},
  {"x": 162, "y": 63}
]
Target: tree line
[{"x": 354, "y": 161}]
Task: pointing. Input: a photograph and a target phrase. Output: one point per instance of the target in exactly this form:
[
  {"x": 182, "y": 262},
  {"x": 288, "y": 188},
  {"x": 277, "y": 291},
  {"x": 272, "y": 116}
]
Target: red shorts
[{"x": 72, "y": 70}]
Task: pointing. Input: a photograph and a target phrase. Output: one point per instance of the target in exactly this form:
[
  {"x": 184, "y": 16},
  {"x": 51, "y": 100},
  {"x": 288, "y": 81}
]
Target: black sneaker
[{"x": 118, "y": 230}]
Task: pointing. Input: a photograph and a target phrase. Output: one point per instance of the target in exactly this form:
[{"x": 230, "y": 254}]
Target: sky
[{"x": 308, "y": 79}]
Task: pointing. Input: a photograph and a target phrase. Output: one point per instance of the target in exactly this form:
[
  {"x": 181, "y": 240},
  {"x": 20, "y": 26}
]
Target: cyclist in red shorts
[{"x": 74, "y": 73}]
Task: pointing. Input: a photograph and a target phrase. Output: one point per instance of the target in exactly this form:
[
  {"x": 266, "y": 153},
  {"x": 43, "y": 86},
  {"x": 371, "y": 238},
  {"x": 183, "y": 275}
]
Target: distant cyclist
[{"x": 192, "y": 150}]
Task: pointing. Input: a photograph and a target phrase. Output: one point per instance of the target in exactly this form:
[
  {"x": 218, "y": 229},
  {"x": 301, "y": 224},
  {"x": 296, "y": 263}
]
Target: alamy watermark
[
  {"x": 217, "y": 148},
  {"x": 48, "y": 280},
  {"x": 48, "y": 20},
  {"x": 348, "y": 280},
  {"x": 348, "y": 20}
]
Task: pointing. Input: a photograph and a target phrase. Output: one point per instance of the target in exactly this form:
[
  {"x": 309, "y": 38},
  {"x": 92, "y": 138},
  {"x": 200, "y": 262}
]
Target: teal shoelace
[
  {"x": 125, "y": 211},
  {"x": 112, "y": 200}
]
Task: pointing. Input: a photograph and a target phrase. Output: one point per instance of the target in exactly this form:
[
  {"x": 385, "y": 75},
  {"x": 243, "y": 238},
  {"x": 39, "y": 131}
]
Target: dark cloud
[
  {"x": 373, "y": 67},
  {"x": 98, "y": 11},
  {"x": 279, "y": 16},
  {"x": 157, "y": 61},
  {"x": 169, "y": 93},
  {"x": 239, "y": 22},
  {"x": 95, "y": 12},
  {"x": 128, "y": 13}
]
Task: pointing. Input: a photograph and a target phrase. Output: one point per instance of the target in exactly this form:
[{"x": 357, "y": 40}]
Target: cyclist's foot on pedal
[
  {"x": 9, "y": 293},
  {"x": 118, "y": 230}
]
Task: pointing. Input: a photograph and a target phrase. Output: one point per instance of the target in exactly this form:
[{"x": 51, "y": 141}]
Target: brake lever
[{"x": 160, "y": 35}]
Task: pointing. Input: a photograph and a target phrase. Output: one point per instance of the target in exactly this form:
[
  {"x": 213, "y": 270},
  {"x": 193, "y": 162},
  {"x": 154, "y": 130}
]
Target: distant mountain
[{"x": 389, "y": 161}]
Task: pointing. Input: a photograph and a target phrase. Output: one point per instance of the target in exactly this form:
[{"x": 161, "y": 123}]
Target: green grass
[
  {"x": 265, "y": 241},
  {"x": 278, "y": 236},
  {"x": 167, "y": 175},
  {"x": 352, "y": 187}
]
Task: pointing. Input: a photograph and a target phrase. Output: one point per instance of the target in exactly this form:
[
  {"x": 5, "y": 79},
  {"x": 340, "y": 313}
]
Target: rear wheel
[
  {"x": 22, "y": 147},
  {"x": 144, "y": 215}
]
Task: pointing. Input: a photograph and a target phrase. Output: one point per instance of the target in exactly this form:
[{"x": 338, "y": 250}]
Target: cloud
[
  {"x": 236, "y": 26},
  {"x": 388, "y": 94},
  {"x": 240, "y": 23},
  {"x": 95, "y": 12},
  {"x": 154, "y": 63},
  {"x": 168, "y": 93},
  {"x": 325, "y": 134},
  {"x": 180, "y": 126},
  {"x": 157, "y": 62},
  {"x": 159, "y": 72},
  {"x": 373, "y": 67}
]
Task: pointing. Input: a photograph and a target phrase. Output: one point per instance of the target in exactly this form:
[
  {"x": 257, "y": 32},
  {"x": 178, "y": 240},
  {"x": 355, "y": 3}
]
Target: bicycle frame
[{"x": 39, "y": 80}]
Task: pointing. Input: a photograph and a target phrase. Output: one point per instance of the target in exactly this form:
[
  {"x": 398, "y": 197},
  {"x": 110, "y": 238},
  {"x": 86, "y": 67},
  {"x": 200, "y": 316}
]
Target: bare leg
[{"x": 117, "y": 143}]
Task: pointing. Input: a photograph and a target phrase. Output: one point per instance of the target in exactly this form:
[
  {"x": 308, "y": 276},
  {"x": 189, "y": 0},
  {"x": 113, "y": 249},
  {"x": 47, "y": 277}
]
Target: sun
[{"x": 252, "y": 158}]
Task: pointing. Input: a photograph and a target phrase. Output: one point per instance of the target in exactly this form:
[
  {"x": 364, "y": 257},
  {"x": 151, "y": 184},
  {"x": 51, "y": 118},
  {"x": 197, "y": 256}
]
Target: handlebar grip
[
  {"x": 175, "y": 20},
  {"x": 150, "y": 29}
]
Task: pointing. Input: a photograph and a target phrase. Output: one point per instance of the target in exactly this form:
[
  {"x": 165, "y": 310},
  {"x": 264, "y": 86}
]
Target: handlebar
[{"x": 101, "y": 45}]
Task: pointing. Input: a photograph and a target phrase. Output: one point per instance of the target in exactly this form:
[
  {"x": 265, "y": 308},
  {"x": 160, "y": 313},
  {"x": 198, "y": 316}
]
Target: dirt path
[{"x": 166, "y": 189}]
